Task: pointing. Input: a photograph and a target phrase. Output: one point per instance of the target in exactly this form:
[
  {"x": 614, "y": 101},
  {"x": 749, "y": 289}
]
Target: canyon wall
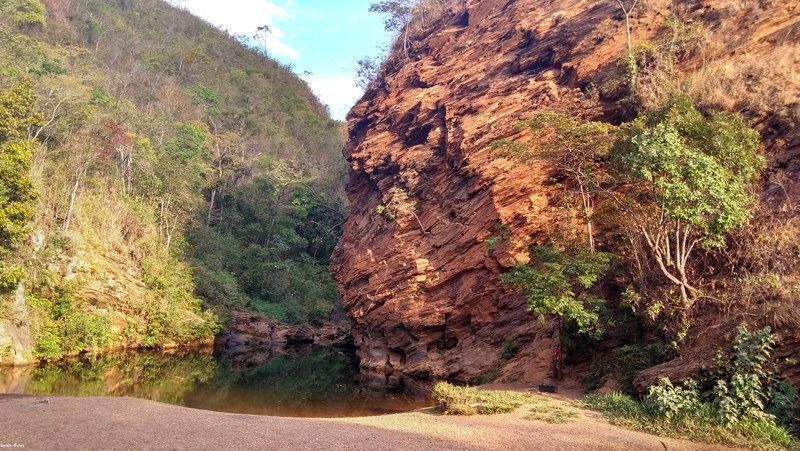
[{"x": 437, "y": 213}]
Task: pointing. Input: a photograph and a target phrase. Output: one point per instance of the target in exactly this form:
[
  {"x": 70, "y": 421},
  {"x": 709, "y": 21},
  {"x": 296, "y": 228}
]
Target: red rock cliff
[{"x": 419, "y": 262}]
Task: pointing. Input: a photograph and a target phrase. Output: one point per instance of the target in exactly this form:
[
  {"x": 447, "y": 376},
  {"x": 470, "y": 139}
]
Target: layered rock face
[{"x": 437, "y": 212}]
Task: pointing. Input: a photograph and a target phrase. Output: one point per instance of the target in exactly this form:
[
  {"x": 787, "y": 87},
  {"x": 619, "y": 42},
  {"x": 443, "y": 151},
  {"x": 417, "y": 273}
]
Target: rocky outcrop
[{"x": 437, "y": 213}]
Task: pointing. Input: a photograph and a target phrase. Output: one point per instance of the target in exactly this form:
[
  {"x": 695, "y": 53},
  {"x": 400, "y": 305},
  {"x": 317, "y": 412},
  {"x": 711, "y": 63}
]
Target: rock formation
[{"x": 437, "y": 214}]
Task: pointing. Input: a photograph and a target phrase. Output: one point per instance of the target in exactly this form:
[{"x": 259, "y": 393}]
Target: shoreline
[{"x": 40, "y": 422}]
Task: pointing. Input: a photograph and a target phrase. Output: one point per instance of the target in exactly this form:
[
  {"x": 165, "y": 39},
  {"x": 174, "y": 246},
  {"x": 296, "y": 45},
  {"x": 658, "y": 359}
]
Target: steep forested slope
[{"x": 174, "y": 173}]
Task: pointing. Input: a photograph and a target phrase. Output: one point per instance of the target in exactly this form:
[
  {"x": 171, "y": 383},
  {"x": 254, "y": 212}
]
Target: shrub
[
  {"x": 28, "y": 12},
  {"x": 744, "y": 395},
  {"x": 617, "y": 405},
  {"x": 85, "y": 331},
  {"x": 784, "y": 405},
  {"x": 624, "y": 364},
  {"x": 737, "y": 412},
  {"x": 48, "y": 68},
  {"x": 452, "y": 400},
  {"x": 510, "y": 349},
  {"x": 17, "y": 196},
  {"x": 702, "y": 425},
  {"x": 10, "y": 277},
  {"x": 669, "y": 401}
]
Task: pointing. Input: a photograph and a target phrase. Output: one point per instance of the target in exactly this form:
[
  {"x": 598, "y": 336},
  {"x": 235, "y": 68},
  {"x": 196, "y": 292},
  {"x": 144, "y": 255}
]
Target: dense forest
[{"x": 156, "y": 173}]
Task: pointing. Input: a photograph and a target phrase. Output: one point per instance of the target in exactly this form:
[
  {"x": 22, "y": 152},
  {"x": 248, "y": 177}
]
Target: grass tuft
[
  {"x": 455, "y": 400},
  {"x": 551, "y": 413}
]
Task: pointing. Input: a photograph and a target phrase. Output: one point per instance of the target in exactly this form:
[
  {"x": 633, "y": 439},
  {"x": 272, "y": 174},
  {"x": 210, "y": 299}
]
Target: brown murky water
[{"x": 317, "y": 382}]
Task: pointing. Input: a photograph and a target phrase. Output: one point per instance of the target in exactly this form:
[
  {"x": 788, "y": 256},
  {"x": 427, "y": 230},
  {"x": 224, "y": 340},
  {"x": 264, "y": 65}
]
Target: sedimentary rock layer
[{"x": 438, "y": 212}]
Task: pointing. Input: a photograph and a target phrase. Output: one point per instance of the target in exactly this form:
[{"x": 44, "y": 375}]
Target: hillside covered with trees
[{"x": 156, "y": 173}]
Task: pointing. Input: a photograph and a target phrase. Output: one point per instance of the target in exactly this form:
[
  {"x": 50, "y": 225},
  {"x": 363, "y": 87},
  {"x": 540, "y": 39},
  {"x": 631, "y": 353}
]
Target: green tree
[
  {"x": 559, "y": 283},
  {"x": 182, "y": 168},
  {"x": 576, "y": 150},
  {"x": 397, "y": 13},
  {"x": 17, "y": 118},
  {"x": 26, "y": 12},
  {"x": 688, "y": 183}
]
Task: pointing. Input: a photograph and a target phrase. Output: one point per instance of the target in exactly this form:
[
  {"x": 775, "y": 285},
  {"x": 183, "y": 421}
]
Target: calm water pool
[{"x": 317, "y": 382}]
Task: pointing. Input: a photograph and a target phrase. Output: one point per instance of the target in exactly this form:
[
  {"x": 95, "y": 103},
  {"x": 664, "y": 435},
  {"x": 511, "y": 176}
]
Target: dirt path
[{"x": 127, "y": 423}]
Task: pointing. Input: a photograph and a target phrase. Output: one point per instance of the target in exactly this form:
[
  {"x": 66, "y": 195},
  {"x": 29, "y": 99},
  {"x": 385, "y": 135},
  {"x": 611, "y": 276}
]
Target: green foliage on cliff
[
  {"x": 17, "y": 116},
  {"x": 686, "y": 182},
  {"x": 156, "y": 173},
  {"x": 696, "y": 170},
  {"x": 559, "y": 283},
  {"x": 659, "y": 190},
  {"x": 17, "y": 196}
]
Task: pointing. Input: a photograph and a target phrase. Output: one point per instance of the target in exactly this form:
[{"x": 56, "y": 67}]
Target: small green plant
[
  {"x": 384, "y": 211},
  {"x": 400, "y": 204},
  {"x": 101, "y": 98},
  {"x": 500, "y": 234},
  {"x": 551, "y": 413},
  {"x": 510, "y": 349},
  {"x": 491, "y": 243},
  {"x": 207, "y": 96},
  {"x": 511, "y": 149},
  {"x": 5, "y": 353},
  {"x": 671, "y": 402},
  {"x": 489, "y": 375},
  {"x": 48, "y": 68},
  {"x": 744, "y": 394}
]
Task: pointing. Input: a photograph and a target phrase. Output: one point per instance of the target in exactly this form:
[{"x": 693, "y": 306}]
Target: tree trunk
[
  {"x": 72, "y": 197},
  {"x": 211, "y": 206}
]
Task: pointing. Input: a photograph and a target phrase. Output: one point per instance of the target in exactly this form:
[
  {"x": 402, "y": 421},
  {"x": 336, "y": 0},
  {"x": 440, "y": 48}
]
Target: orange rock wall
[{"x": 427, "y": 188}]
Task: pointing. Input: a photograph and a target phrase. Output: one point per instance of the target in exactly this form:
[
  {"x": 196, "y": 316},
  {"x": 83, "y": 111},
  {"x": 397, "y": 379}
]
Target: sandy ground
[{"x": 127, "y": 423}]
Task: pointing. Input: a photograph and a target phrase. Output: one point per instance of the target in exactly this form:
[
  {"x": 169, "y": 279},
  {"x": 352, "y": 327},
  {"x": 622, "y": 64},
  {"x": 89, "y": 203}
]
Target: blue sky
[{"x": 322, "y": 37}]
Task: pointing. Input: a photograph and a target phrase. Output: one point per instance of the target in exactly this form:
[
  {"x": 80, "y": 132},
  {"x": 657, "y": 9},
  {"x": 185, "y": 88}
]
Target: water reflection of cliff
[{"x": 310, "y": 381}]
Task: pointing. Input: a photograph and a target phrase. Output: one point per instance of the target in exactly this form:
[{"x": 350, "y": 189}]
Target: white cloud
[
  {"x": 244, "y": 17},
  {"x": 339, "y": 92}
]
